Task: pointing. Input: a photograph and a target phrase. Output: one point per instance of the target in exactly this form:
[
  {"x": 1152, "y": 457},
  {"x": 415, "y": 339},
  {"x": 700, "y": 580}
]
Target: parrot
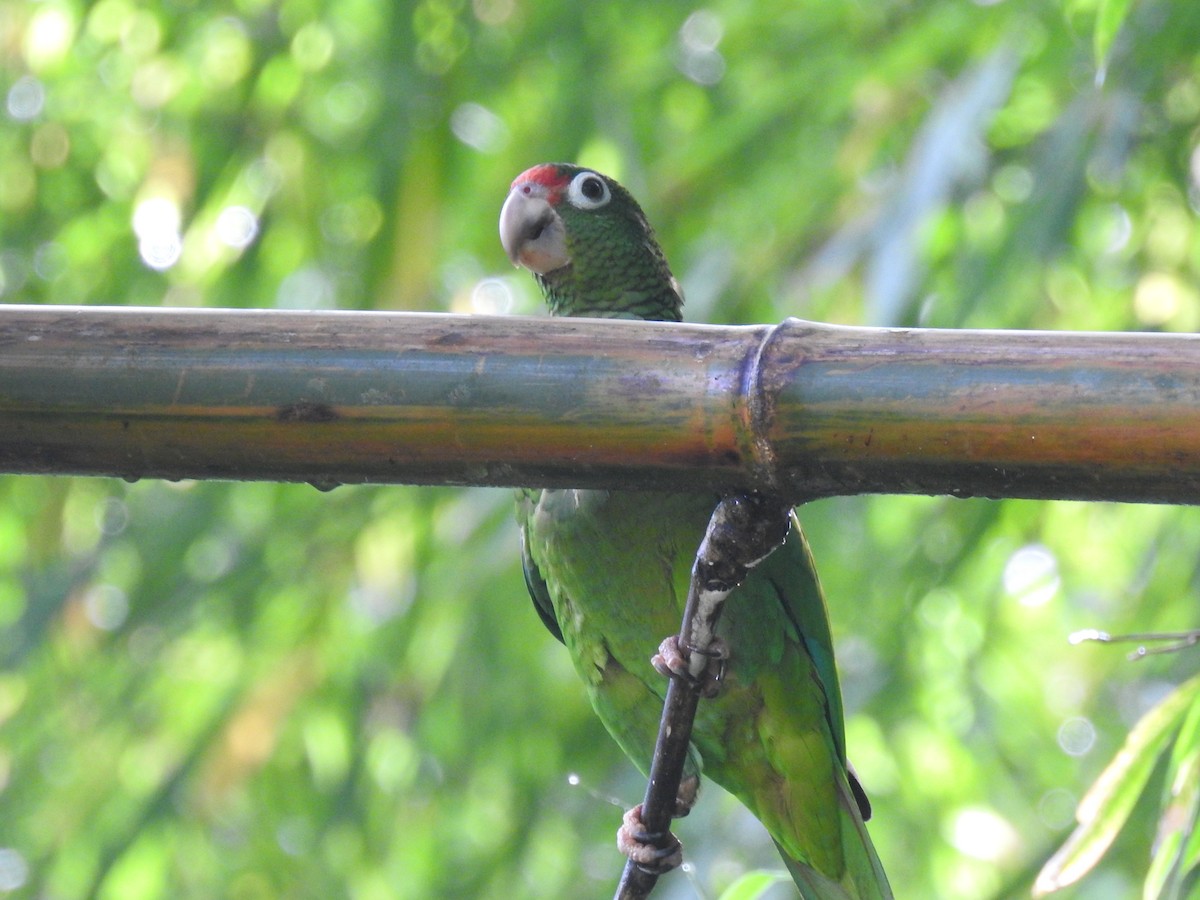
[{"x": 608, "y": 572}]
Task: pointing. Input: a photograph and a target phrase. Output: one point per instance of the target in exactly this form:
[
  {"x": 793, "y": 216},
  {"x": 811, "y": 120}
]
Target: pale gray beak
[{"x": 531, "y": 231}]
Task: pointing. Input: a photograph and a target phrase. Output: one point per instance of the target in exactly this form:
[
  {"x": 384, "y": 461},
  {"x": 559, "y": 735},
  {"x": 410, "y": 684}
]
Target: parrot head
[{"x": 588, "y": 244}]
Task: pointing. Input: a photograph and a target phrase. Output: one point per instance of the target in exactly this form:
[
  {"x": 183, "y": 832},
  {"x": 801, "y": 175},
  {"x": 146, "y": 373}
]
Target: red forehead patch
[{"x": 547, "y": 174}]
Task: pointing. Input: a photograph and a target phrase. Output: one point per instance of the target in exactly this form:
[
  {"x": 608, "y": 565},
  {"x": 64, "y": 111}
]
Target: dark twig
[{"x": 743, "y": 531}]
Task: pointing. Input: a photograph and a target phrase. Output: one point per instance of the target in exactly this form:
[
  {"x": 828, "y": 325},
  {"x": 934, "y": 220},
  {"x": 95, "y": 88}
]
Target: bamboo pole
[{"x": 805, "y": 409}]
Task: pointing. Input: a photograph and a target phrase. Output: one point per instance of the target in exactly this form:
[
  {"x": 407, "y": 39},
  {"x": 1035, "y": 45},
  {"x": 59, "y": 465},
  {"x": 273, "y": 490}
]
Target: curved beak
[{"x": 531, "y": 230}]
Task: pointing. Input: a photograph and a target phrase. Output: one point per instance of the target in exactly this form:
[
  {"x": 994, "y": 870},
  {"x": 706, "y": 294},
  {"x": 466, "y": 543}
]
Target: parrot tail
[{"x": 863, "y": 877}]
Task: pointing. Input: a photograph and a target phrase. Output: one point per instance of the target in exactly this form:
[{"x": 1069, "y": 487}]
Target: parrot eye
[{"x": 588, "y": 191}]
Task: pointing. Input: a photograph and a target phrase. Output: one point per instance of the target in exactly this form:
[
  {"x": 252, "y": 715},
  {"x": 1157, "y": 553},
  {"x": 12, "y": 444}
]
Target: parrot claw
[
  {"x": 689, "y": 790},
  {"x": 670, "y": 660},
  {"x": 643, "y": 847}
]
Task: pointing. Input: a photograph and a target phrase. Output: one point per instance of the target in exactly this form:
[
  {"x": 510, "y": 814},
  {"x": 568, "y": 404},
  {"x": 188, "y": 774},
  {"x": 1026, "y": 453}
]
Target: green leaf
[
  {"x": 1189, "y": 859},
  {"x": 1109, "y": 17},
  {"x": 1174, "y": 848},
  {"x": 1175, "y": 829},
  {"x": 753, "y": 885},
  {"x": 1107, "y": 804}
]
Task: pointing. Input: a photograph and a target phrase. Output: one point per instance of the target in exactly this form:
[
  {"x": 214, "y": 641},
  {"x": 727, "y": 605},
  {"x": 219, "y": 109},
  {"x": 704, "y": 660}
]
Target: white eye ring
[{"x": 588, "y": 191}]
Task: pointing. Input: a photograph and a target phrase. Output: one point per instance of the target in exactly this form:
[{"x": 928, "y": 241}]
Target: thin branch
[
  {"x": 743, "y": 531},
  {"x": 1165, "y": 641},
  {"x": 799, "y": 409}
]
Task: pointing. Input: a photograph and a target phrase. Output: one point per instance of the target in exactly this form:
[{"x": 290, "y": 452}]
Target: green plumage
[
  {"x": 627, "y": 283},
  {"x": 609, "y": 571}
]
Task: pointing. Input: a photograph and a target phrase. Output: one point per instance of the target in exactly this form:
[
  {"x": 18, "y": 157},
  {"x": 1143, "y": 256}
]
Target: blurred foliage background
[{"x": 263, "y": 691}]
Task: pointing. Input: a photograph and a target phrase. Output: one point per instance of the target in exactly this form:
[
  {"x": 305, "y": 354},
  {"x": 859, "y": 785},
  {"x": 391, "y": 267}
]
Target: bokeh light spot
[
  {"x": 49, "y": 37},
  {"x": 698, "y": 57},
  {"x": 306, "y": 288},
  {"x": 312, "y": 47},
  {"x": 493, "y": 12},
  {"x": 1158, "y": 298},
  {"x": 50, "y": 146},
  {"x": 492, "y": 297},
  {"x": 1056, "y": 808},
  {"x": 25, "y": 99},
  {"x": 1077, "y": 736},
  {"x": 236, "y": 227},
  {"x": 354, "y": 222},
  {"x": 106, "y": 607},
  {"x": 49, "y": 260},
  {"x": 14, "y": 871},
  {"x": 1031, "y": 575},
  {"x": 227, "y": 52},
  {"x": 479, "y": 128},
  {"x": 156, "y": 223},
  {"x": 984, "y": 834}
]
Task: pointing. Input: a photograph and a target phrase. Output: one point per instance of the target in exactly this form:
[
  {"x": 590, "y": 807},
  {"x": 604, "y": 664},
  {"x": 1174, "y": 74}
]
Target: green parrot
[{"x": 609, "y": 570}]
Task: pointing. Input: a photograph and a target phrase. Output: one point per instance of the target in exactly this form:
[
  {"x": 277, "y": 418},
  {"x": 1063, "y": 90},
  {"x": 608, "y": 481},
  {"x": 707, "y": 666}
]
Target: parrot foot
[
  {"x": 670, "y": 660},
  {"x": 643, "y": 847}
]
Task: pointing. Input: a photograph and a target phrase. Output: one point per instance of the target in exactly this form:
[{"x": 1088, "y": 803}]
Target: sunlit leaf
[
  {"x": 1170, "y": 864},
  {"x": 1175, "y": 829},
  {"x": 1107, "y": 804},
  {"x": 1189, "y": 858}
]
